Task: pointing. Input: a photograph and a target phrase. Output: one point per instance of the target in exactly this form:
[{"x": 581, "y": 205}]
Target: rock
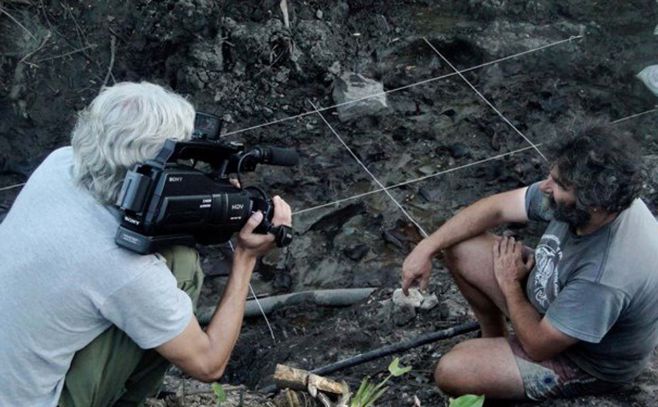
[
  {"x": 334, "y": 219},
  {"x": 339, "y": 11},
  {"x": 253, "y": 42},
  {"x": 356, "y": 252},
  {"x": 404, "y": 106},
  {"x": 317, "y": 47},
  {"x": 208, "y": 54},
  {"x": 382, "y": 24},
  {"x": 451, "y": 309},
  {"x": 459, "y": 150},
  {"x": 352, "y": 87},
  {"x": 390, "y": 237},
  {"x": 282, "y": 281},
  {"x": 496, "y": 140},
  {"x": 430, "y": 194},
  {"x": 273, "y": 258},
  {"x": 282, "y": 75},
  {"x": 384, "y": 313},
  {"x": 427, "y": 169},
  {"x": 414, "y": 299},
  {"x": 503, "y": 37},
  {"x": 649, "y": 76},
  {"x": 327, "y": 273},
  {"x": 404, "y": 307},
  {"x": 429, "y": 301},
  {"x": 335, "y": 68},
  {"x": 403, "y": 314}
]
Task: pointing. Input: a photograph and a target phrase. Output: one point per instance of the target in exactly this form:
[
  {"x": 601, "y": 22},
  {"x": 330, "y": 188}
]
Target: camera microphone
[{"x": 276, "y": 156}]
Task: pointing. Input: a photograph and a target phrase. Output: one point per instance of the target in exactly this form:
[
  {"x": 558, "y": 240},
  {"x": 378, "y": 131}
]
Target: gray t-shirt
[
  {"x": 600, "y": 288},
  {"x": 64, "y": 281}
]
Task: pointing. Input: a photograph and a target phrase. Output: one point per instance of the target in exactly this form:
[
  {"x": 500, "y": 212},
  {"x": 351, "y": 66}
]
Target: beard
[{"x": 570, "y": 214}]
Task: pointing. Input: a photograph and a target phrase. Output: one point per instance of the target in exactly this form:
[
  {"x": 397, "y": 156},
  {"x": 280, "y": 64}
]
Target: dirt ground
[{"x": 243, "y": 62}]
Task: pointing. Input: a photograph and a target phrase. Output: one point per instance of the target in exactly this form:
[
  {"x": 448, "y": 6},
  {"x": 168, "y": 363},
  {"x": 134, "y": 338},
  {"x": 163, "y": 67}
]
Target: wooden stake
[{"x": 299, "y": 379}]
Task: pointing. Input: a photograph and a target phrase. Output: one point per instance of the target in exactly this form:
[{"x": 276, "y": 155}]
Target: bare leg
[
  {"x": 480, "y": 366},
  {"x": 471, "y": 265}
]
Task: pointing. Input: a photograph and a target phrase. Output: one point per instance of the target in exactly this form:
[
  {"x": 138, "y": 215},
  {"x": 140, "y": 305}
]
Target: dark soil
[{"x": 238, "y": 60}]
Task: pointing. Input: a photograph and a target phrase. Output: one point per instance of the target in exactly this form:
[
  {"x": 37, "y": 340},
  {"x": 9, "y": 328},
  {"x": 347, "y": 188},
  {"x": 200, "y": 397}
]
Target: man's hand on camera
[{"x": 255, "y": 244}]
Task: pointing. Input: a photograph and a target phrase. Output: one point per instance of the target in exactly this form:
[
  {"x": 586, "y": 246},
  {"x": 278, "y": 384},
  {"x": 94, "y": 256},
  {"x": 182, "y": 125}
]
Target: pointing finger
[{"x": 406, "y": 283}]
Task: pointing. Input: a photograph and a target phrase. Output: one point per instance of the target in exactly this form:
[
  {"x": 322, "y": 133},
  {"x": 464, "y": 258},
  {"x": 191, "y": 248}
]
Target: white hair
[{"x": 125, "y": 124}]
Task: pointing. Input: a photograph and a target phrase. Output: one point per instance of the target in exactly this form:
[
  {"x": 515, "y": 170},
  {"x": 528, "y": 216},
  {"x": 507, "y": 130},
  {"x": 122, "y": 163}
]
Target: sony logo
[
  {"x": 175, "y": 179},
  {"x": 131, "y": 220},
  {"x": 237, "y": 207}
]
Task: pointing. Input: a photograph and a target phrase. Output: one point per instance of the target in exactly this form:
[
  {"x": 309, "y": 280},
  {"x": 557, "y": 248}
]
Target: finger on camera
[
  {"x": 234, "y": 182},
  {"x": 252, "y": 223},
  {"x": 281, "y": 205},
  {"x": 282, "y": 212}
]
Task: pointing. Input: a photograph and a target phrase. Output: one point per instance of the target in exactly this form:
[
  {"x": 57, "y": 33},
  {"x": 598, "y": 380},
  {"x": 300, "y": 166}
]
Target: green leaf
[
  {"x": 220, "y": 394},
  {"x": 467, "y": 400},
  {"x": 374, "y": 397},
  {"x": 368, "y": 392},
  {"x": 395, "y": 368},
  {"x": 363, "y": 388},
  {"x": 362, "y": 394}
]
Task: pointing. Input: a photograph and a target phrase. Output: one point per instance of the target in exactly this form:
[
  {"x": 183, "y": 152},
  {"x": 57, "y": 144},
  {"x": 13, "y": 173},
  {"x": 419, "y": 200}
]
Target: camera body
[{"x": 168, "y": 201}]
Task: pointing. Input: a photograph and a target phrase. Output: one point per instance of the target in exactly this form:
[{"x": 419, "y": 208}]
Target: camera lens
[{"x": 230, "y": 209}]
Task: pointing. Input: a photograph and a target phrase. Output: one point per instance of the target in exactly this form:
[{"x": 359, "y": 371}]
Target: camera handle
[{"x": 282, "y": 233}]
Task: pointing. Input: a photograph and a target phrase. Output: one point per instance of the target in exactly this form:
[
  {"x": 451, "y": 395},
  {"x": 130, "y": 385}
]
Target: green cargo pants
[{"x": 112, "y": 369}]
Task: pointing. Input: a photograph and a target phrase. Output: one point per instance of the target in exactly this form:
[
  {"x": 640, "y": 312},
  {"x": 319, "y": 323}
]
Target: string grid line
[
  {"x": 485, "y": 99},
  {"x": 375, "y": 95},
  {"x": 420, "y": 228},
  {"x": 382, "y": 188},
  {"x": 412, "y": 181}
]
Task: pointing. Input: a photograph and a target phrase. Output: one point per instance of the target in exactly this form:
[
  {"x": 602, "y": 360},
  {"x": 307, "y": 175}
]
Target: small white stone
[
  {"x": 415, "y": 298},
  {"x": 649, "y": 76},
  {"x": 429, "y": 301},
  {"x": 366, "y": 96}
]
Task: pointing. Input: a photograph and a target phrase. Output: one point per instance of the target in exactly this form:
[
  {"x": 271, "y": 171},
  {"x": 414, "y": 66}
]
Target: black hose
[{"x": 390, "y": 349}]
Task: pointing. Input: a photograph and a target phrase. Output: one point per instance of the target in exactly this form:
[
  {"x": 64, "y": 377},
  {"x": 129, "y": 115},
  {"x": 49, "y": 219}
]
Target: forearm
[
  {"x": 473, "y": 220},
  {"x": 224, "y": 327},
  {"x": 204, "y": 355},
  {"x": 525, "y": 320}
]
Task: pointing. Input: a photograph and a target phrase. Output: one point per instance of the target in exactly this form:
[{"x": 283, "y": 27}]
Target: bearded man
[{"x": 583, "y": 305}]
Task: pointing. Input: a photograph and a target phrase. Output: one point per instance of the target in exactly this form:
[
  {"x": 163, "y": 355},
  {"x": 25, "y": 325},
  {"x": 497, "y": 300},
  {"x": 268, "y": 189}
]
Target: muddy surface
[{"x": 243, "y": 62}]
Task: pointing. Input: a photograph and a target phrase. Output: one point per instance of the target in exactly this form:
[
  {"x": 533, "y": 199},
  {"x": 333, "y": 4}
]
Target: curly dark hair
[{"x": 602, "y": 165}]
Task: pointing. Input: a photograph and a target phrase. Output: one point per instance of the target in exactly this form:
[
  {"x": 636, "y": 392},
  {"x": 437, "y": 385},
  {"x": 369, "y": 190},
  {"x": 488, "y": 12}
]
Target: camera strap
[{"x": 282, "y": 235}]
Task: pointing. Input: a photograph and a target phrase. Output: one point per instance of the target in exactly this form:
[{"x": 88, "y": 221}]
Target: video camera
[{"x": 166, "y": 202}]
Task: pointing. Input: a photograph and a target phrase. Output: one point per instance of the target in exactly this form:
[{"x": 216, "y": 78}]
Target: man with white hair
[{"x": 86, "y": 322}]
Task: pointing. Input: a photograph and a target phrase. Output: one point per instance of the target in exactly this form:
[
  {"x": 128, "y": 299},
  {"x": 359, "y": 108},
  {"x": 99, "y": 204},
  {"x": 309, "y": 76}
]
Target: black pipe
[{"x": 390, "y": 349}]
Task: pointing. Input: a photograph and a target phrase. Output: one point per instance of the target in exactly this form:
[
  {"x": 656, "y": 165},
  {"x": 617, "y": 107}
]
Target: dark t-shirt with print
[{"x": 601, "y": 288}]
